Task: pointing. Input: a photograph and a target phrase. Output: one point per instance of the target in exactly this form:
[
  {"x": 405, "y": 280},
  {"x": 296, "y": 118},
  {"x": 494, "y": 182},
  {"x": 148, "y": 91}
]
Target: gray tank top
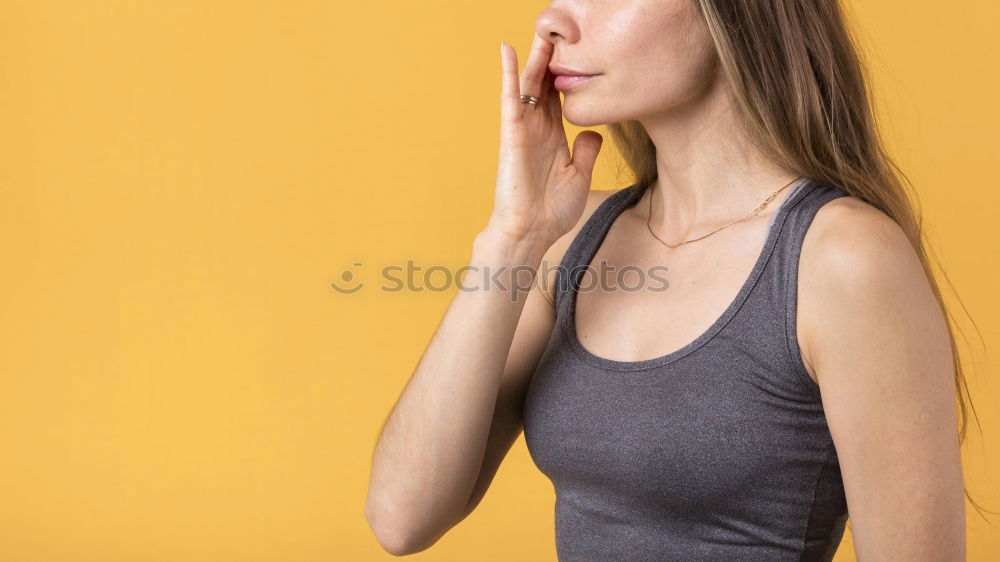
[{"x": 717, "y": 451}]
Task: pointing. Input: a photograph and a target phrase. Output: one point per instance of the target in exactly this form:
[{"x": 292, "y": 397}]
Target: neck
[{"x": 708, "y": 173}]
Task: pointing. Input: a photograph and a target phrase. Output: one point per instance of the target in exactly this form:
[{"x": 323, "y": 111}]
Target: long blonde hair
[{"x": 803, "y": 98}]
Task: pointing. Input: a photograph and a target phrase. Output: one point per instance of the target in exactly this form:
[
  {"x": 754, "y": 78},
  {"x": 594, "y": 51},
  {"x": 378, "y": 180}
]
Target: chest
[
  {"x": 684, "y": 435},
  {"x": 639, "y": 302}
]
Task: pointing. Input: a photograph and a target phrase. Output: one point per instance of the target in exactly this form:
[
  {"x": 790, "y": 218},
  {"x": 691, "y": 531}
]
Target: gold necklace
[{"x": 752, "y": 214}]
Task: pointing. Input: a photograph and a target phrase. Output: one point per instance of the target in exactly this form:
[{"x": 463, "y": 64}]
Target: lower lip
[{"x": 565, "y": 81}]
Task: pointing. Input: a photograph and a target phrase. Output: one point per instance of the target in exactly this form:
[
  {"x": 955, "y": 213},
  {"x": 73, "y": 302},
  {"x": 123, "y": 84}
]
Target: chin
[
  {"x": 587, "y": 113},
  {"x": 584, "y": 113}
]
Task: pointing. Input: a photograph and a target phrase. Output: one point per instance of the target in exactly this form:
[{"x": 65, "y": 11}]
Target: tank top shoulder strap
[
  {"x": 777, "y": 290},
  {"x": 583, "y": 247},
  {"x": 794, "y": 223},
  {"x": 812, "y": 195}
]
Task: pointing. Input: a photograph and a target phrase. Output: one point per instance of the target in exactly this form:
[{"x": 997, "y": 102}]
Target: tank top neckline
[{"x": 594, "y": 236}]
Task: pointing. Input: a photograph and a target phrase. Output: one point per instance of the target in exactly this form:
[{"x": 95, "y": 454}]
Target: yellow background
[{"x": 180, "y": 182}]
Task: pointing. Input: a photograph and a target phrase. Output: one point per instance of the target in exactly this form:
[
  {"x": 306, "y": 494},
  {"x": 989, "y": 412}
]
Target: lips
[
  {"x": 559, "y": 70},
  {"x": 566, "y": 77},
  {"x": 567, "y": 81}
]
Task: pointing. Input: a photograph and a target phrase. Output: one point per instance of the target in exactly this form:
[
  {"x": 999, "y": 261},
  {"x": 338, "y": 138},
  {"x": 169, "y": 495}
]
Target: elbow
[
  {"x": 389, "y": 537},
  {"x": 393, "y": 543},
  {"x": 395, "y": 536}
]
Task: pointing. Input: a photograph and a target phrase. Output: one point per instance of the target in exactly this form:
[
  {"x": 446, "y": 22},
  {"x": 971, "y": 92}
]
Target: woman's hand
[{"x": 541, "y": 191}]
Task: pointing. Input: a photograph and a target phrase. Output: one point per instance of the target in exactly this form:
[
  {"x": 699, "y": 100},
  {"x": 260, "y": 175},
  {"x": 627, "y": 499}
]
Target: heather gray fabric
[{"x": 717, "y": 451}]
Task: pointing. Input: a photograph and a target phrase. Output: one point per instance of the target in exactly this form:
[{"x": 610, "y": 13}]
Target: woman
[{"x": 799, "y": 364}]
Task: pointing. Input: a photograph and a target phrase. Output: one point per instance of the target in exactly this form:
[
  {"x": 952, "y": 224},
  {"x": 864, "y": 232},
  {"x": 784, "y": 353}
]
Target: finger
[
  {"x": 536, "y": 67},
  {"x": 586, "y": 146},
  {"x": 510, "y": 94},
  {"x": 547, "y": 86},
  {"x": 550, "y": 98}
]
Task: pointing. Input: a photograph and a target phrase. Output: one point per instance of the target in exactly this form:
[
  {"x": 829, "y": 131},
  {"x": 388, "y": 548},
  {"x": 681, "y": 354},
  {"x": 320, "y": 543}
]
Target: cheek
[
  {"x": 662, "y": 77},
  {"x": 654, "y": 57},
  {"x": 656, "y": 48},
  {"x": 669, "y": 69}
]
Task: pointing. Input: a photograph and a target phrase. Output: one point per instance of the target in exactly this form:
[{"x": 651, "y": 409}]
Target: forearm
[{"x": 430, "y": 451}]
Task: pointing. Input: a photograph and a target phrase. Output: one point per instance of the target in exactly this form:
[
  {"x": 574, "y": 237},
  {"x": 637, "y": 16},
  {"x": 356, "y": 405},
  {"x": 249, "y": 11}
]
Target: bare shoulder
[
  {"x": 853, "y": 246},
  {"x": 554, "y": 255},
  {"x": 857, "y": 267},
  {"x": 847, "y": 233}
]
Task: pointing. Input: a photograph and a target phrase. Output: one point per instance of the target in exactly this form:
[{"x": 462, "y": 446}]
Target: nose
[{"x": 555, "y": 25}]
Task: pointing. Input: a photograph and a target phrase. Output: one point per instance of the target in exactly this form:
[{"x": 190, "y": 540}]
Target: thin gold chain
[{"x": 752, "y": 214}]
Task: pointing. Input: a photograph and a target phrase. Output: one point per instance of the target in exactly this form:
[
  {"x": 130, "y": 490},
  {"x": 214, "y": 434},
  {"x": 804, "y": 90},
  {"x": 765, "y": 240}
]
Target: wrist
[{"x": 510, "y": 249}]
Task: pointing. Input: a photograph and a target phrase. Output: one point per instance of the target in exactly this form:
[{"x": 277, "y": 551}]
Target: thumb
[{"x": 586, "y": 146}]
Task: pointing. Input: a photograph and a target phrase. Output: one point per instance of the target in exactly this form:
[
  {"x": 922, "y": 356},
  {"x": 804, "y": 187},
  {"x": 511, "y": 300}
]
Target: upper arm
[
  {"x": 534, "y": 327},
  {"x": 877, "y": 342}
]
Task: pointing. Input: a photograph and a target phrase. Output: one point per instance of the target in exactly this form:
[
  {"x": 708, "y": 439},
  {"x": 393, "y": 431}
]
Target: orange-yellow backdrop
[{"x": 181, "y": 181}]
